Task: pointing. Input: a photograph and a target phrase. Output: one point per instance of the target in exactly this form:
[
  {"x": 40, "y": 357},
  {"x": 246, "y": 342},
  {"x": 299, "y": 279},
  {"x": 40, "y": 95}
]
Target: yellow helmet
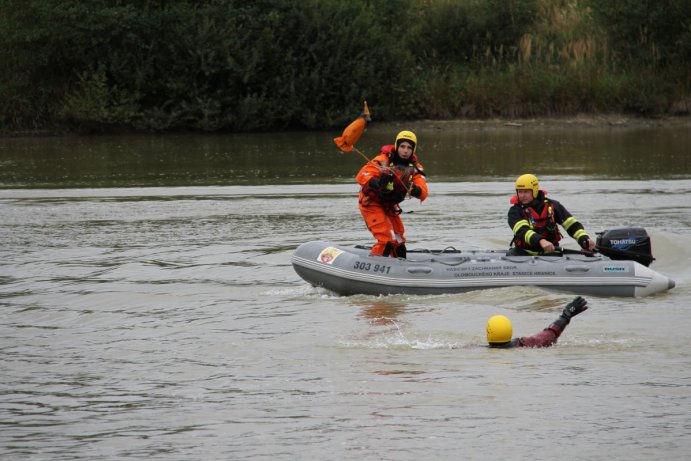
[
  {"x": 406, "y": 136},
  {"x": 528, "y": 182},
  {"x": 499, "y": 329}
]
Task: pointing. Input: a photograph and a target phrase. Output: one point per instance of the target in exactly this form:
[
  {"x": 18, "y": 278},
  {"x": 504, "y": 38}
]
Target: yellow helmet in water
[
  {"x": 528, "y": 182},
  {"x": 499, "y": 329},
  {"x": 406, "y": 136}
]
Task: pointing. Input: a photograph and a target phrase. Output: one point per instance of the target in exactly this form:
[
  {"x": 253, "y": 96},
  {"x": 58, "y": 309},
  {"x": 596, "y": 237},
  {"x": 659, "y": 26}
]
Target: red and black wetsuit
[
  {"x": 549, "y": 335},
  {"x": 545, "y": 338}
]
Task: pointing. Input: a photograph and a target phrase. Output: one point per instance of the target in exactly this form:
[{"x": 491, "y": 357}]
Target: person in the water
[{"x": 500, "y": 331}]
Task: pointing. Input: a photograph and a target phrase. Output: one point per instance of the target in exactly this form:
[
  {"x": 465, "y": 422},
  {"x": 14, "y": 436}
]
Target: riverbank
[
  {"x": 615, "y": 121},
  {"x": 585, "y": 121}
]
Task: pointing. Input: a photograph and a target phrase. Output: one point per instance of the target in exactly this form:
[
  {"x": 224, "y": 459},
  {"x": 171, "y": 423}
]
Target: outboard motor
[{"x": 632, "y": 243}]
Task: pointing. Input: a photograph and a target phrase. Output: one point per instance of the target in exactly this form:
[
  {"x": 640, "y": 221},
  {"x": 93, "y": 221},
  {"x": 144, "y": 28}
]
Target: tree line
[{"x": 233, "y": 65}]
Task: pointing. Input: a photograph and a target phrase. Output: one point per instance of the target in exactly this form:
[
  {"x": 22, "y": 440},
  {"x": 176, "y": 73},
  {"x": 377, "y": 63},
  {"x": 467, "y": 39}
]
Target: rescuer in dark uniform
[{"x": 534, "y": 220}]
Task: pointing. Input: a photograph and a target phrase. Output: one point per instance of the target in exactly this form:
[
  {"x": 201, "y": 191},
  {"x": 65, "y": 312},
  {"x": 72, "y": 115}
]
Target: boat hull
[{"x": 350, "y": 270}]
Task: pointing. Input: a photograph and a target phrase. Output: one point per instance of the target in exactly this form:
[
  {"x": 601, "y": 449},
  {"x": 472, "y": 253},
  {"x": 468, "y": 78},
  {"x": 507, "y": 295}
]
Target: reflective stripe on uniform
[
  {"x": 528, "y": 235},
  {"x": 519, "y": 224},
  {"x": 568, "y": 222},
  {"x": 580, "y": 233}
]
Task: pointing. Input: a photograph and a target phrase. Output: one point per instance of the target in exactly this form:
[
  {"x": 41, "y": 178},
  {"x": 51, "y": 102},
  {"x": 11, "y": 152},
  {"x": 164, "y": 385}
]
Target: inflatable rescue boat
[{"x": 618, "y": 268}]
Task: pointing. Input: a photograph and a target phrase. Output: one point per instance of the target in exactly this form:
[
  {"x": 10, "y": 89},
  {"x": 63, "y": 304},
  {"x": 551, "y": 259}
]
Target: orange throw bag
[{"x": 352, "y": 133}]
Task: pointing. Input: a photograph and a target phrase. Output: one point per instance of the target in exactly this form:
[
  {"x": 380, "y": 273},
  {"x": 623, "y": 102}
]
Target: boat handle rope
[{"x": 462, "y": 261}]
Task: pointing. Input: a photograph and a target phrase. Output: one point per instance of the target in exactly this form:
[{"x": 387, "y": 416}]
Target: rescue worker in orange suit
[
  {"x": 500, "y": 331},
  {"x": 385, "y": 182},
  {"x": 533, "y": 218}
]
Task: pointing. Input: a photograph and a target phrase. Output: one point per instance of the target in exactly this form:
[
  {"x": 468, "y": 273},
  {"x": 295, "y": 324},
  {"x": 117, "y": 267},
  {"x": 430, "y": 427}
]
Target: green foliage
[
  {"x": 647, "y": 32},
  {"x": 94, "y": 101},
  {"x": 233, "y": 65},
  {"x": 473, "y": 31}
]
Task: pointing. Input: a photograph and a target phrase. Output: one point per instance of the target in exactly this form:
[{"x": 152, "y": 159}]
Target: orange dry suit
[{"x": 378, "y": 202}]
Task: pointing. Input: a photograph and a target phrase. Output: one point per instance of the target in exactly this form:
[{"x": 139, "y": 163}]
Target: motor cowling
[{"x": 631, "y": 243}]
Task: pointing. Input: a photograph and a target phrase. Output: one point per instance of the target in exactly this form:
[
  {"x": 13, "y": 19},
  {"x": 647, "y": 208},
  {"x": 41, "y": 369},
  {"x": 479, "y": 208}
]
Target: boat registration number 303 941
[{"x": 363, "y": 266}]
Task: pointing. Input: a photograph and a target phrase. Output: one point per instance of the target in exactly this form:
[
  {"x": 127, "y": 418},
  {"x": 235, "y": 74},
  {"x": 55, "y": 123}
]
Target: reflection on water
[
  {"x": 283, "y": 158},
  {"x": 380, "y": 312}
]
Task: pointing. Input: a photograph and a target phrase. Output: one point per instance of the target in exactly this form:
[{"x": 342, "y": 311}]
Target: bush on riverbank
[{"x": 228, "y": 65}]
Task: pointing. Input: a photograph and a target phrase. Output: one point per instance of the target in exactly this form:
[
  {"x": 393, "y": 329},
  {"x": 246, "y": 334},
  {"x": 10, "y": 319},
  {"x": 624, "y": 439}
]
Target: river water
[{"x": 150, "y": 310}]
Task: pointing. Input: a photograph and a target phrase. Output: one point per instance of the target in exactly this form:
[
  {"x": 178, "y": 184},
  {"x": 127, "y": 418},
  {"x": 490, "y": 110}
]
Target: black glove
[
  {"x": 416, "y": 191},
  {"x": 575, "y": 307},
  {"x": 583, "y": 242},
  {"x": 373, "y": 184},
  {"x": 385, "y": 179}
]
